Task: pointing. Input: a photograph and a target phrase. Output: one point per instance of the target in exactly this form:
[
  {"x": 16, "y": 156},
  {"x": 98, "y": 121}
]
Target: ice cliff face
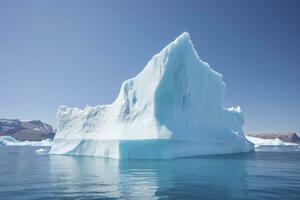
[{"x": 172, "y": 108}]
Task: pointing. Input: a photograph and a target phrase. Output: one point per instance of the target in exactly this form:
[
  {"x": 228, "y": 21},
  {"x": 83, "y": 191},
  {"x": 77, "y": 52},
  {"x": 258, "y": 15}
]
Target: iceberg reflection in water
[
  {"x": 26, "y": 175},
  {"x": 150, "y": 179}
]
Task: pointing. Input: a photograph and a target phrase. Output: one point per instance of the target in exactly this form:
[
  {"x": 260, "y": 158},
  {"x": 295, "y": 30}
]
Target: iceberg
[{"x": 172, "y": 108}]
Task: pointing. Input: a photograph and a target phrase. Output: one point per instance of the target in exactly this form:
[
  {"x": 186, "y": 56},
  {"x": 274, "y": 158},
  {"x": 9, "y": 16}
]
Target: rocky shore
[{"x": 34, "y": 130}]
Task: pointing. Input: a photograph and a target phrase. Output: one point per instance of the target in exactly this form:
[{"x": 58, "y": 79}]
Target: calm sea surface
[{"x": 261, "y": 175}]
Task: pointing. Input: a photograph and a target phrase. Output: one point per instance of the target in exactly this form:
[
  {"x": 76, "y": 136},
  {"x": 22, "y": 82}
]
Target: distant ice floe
[
  {"x": 42, "y": 151},
  {"x": 272, "y": 144},
  {"x": 10, "y": 141}
]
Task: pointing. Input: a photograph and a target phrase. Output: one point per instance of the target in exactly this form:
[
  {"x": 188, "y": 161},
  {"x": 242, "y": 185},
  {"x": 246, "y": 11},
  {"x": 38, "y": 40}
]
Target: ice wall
[{"x": 172, "y": 108}]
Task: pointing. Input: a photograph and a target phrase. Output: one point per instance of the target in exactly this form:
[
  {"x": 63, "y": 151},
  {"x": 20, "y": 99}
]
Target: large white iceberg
[{"x": 172, "y": 108}]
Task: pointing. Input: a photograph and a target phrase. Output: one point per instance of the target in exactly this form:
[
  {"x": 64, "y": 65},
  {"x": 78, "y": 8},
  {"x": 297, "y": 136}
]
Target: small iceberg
[
  {"x": 41, "y": 151},
  {"x": 7, "y": 141}
]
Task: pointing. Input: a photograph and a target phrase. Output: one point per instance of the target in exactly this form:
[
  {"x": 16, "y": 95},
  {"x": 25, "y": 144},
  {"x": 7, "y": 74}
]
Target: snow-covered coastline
[
  {"x": 260, "y": 144},
  {"x": 272, "y": 145},
  {"x": 269, "y": 142},
  {"x": 10, "y": 141}
]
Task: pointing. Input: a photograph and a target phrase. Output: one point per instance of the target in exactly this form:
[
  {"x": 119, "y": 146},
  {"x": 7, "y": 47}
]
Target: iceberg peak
[
  {"x": 181, "y": 42},
  {"x": 172, "y": 108},
  {"x": 184, "y": 37}
]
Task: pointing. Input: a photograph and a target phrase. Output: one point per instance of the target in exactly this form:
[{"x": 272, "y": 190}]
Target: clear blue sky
[{"x": 79, "y": 52}]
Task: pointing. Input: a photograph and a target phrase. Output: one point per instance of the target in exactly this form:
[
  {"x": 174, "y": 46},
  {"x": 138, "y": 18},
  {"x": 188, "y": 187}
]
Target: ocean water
[{"x": 260, "y": 175}]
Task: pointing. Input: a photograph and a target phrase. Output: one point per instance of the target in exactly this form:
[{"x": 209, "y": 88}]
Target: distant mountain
[
  {"x": 34, "y": 130},
  {"x": 286, "y": 137}
]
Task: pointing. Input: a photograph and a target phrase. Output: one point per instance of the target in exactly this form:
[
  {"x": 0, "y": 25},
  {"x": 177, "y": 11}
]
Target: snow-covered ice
[
  {"x": 172, "y": 108},
  {"x": 269, "y": 142},
  {"x": 41, "y": 151},
  {"x": 272, "y": 144},
  {"x": 10, "y": 141}
]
